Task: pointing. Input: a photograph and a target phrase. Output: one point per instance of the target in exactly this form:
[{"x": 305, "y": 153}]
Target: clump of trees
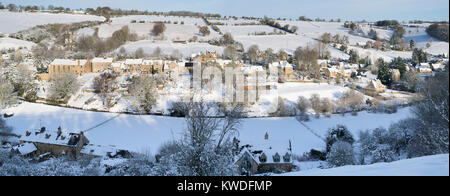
[
  {"x": 306, "y": 59},
  {"x": 93, "y": 44},
  {"x": 206, "y": 148},
  {"x": 204, "y": 30},
  {"x": 158, "y": 28},
  {"x": 62, "y": 87},
  {"x": 439, "y": 31},
  {"x": 339, "y": 146},
  {"x": 143, "y": 93},
  {"x": 104, "y": 85},
  {"x": 7, "y": 94},
  {"x": 419, "y": 56}
]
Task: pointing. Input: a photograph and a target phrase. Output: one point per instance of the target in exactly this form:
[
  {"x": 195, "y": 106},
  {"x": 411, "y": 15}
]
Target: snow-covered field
[
  {"x": 8, "y": 43},
  {"x": 246, "y": 30},
  {"x": 139, "y": 133},
  {"x": 173, "y": 31},
  {"x": 437, "y": 165},
  {"x": 168, "y": 47},
  {"x": 155, "y": 18},
  {"x": 12, "y": 22},
  {"x": 420, "y": 36}
]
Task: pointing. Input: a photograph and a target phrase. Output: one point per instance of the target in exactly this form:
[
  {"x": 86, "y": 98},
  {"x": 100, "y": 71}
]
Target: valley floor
[{"x": 147, "y": 133}]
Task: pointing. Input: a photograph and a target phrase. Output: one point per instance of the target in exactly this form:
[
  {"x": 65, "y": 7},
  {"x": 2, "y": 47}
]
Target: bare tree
[
  {"x": 62, "y": 86},
  {"x": 231, "y": 53},
  {"x": 204, "y": 30},
  {"x": 105, "y": 84},
  {"x": 143, "y": 93},
  {"x": 253, "y": 53},
  {"x": 158, "y": 28},
  {"x": 7, "y": 94}
]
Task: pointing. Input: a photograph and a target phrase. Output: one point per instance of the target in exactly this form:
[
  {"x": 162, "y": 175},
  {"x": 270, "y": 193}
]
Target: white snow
[
  {"x": 437, "y": 165},
  {"x": 11, "y": 43},
  {"x": 138, "y": 133},
  {"x": 16, "y": 21},
  {"x": 168, "y": 47}
]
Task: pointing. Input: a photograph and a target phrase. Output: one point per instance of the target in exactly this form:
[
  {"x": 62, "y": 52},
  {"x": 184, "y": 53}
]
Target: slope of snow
[
  {"x": 437, "y": 165},
  {"x": 8, "y": 43},
  {"x": 12, "y": 22},
  {"x": 421, "y": 37},
  {"x": 173, "y": 31},
  {"x": 139, "y": 133},
  {"x": 168, "y": 47},
  {"x": 246, "y": 30},
  {"x": 155, "y": 18}
]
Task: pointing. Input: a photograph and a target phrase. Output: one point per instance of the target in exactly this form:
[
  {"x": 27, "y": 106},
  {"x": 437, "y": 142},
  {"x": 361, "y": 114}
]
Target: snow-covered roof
[
  {"x": 26, "y": 148},
  {"x": 438, "y": 66},
  {"x": 98, "y": 150},
  {"x": 281, "y": 64},
  {"x": 68, "y": 62},
  {"x": 269, "y": 148},
  {"x": 118, "y": 65},
  {"x": 102, "y": 60},
  {"x": 375, "y": 84},
  {"x": 48, "y": 137},
  {"x": 133, "y": 61}
]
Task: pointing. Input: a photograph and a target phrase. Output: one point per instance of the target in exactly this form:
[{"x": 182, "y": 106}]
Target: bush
[
  {"x": 341, "y": 154},
  {"x": 204, "y": 30},
  {"x": 338, "y": 133},
  {"x": 62, "y": 86},
  {"x": 158, "y": 28}
]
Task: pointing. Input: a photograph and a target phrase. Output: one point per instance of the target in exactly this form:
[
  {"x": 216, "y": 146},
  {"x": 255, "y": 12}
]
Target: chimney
[{"x": 266, "y": 137}]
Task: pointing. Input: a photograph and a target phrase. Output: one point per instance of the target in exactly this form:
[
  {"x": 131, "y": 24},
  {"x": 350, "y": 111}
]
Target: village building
[
  {"x": 62, "y": 66},
  {"x": 374, "y": 88},
  {"x": 285, "y": 69},
  {"x": 100, "y": 64},
  {"x": 134, "y": 65},
  {"x": 424, "y": 68},
  {"x": 331, "y": 72},
  {"x": 205, "y": 57},
  {"x": 118, "y": 67},
  {"x": 55, "y": 143},
  {"x": 262, "y": 157}
]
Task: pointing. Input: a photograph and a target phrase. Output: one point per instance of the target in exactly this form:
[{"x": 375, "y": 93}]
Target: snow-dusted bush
[
  {"x": 104, "y": 85},
  {"x": 283, "y": 109},
  {"x": 341, "y": 154},
  {"x": 142, "y": 93},
  {"x": 206, "y": 148},
  {"x": 62, "y": 87},
  {"x": 7, "y": 94},
  {"x": 338, "y": 133}
]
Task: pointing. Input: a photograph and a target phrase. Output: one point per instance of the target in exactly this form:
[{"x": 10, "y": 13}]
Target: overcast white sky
[{"x": 403, "y": 10}]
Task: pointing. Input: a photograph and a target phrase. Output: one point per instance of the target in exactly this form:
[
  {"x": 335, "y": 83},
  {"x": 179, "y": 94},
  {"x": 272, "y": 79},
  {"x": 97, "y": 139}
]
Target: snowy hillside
[
  {"x": 437, "y": 165},
  {"x": 12, "y": 22},
  {"x": 420, "y": 36},
  {"x": 8, "y": 43}
]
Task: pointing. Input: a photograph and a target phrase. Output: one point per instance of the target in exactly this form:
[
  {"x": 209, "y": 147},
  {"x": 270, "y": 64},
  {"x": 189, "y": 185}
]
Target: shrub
[
  {"x": 338, "y": 133},
  {"x": 341, "y": 154}
]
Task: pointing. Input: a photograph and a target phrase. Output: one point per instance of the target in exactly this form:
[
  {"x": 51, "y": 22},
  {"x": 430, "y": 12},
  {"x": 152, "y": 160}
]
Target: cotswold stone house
[
  {"x": 264, "y": 156},
  {"x": 49, "y": 143},
  {"x": 374, "y": 88},
  {"x": 100, "y": 64},
  {"x": 55, "y": 143},
  {"x": 78, "y": 67}
]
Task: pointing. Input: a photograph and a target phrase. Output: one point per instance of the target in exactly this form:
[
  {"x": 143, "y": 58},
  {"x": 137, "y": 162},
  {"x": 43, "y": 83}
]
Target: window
[
  {"x": 287, "y": 157},
  {"x": 263, "y": 158},
  {"x": 276, "y": 158}
]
